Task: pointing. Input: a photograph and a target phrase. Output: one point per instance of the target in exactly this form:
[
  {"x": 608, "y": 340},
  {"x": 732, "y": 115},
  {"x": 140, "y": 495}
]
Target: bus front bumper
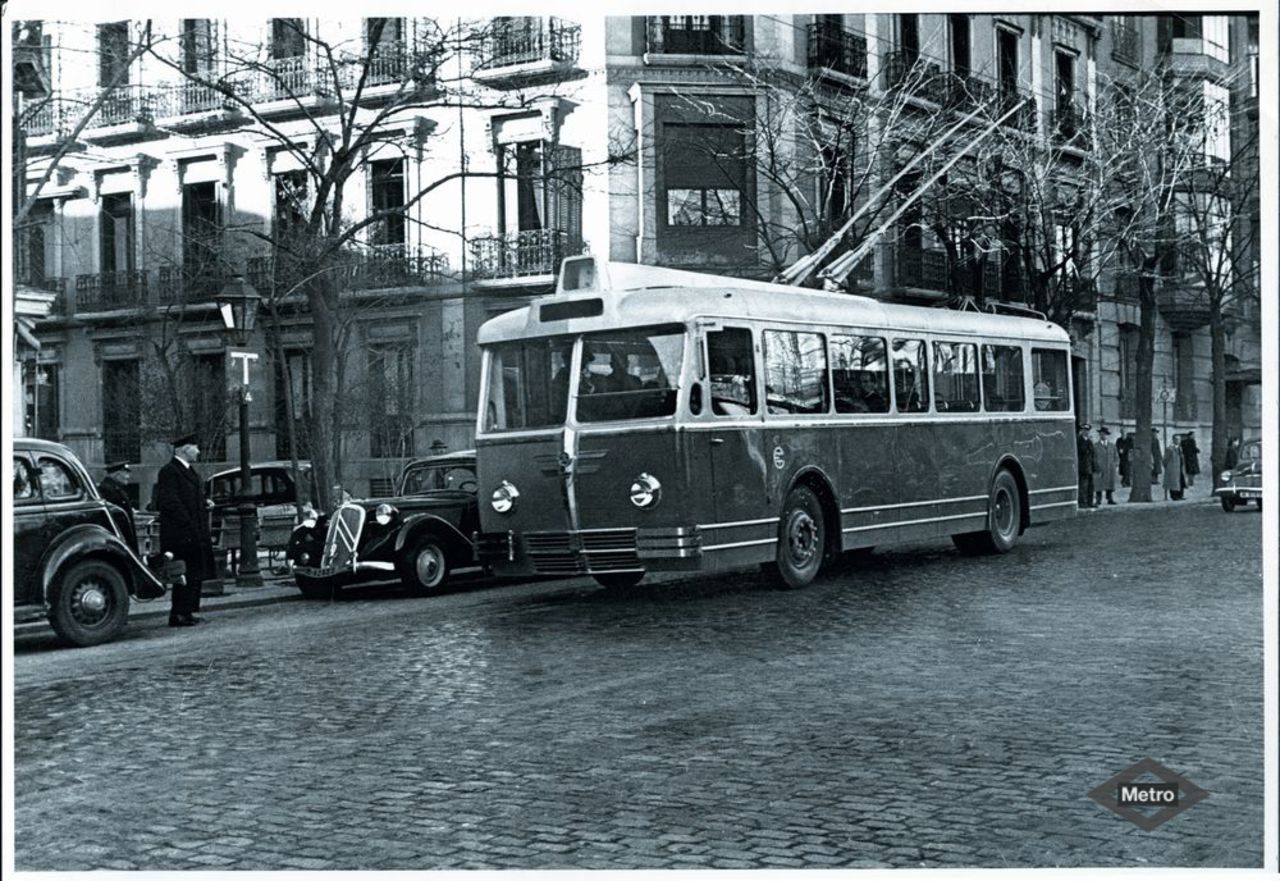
[{"x": 589, "y": 551}]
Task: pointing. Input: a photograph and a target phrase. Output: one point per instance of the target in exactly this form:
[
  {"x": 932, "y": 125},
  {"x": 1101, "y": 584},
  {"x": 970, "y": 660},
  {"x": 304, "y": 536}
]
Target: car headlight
[
  {"x": 383, "y": 514},
  {"x": 646, "y": 491},
  {"x": 1225, "y": 477},
  {"x": 504, "y": 498}
]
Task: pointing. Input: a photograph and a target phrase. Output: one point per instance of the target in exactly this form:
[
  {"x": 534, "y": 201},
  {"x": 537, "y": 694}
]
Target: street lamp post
[{"x": 238, "y": 307}]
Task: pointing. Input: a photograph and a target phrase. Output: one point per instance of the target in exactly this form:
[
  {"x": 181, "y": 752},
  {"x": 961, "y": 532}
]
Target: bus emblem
[{"x": 779, "y": 458}]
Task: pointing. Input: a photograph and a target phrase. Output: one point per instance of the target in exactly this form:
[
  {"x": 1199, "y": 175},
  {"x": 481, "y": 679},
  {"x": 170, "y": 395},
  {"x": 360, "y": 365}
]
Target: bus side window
[
  {"x": 910, "y": 376},
  {"x": 1049, "y": 379},
  {"x": 732, "y": 372},
  {"x": 955, "y": 376},
  {"x": 1003, "y": 389}
]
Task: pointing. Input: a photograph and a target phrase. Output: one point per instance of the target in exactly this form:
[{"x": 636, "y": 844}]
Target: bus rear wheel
[
  {"x": 801, "y": 540},
  {"x": 1004, "y": 520}
]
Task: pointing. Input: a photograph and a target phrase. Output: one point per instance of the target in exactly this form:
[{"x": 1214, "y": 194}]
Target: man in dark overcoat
[
  {"x": 1190, "y": 457},
  {"x": 1124, "y": 449},
  {"x": 1084, "y": 466},
  {"x": 184, "y": 527},
  {"x": 112, "y": 488}
]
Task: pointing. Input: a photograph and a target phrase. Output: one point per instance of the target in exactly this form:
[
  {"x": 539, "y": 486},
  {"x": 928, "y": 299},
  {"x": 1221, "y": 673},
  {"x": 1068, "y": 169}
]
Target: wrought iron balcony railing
[
  {"x": 284, "y": 78},
  {"x": 522, "y": 254},
  {"x": 697, "y": 34},
  {"x": 1068, "y": 126},
  {"x": 194, "y": 283},
  {"x": 105, "y": 291},
  {"x": 1126, "y": 42},
  {"x": 921, "y": 79},
  {"x": 378, "y": 266},
  {"x": 834, "y": 48},
  {"x": 525, "y": 40}
]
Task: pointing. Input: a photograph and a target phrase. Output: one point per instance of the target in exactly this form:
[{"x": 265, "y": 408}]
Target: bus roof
[{"x": 628, "y": 295}]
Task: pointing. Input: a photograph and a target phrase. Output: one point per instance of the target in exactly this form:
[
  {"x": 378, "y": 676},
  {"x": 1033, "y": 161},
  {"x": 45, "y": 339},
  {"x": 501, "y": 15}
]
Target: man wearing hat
[
  {"x": 112, "y": 488},
  {"x": 1105, "y": 459},
  {"x": 184, "y": 527},
  {"x": 1084, "y": 466}
]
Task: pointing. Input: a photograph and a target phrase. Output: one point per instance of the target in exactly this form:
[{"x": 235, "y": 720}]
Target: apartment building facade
[
  {"x": 171, "y": 188},
  {"x": 733, "y": 144}
]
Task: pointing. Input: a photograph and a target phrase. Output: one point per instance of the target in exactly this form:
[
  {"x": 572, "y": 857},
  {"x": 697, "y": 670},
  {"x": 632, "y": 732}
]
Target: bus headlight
[
  {"x": 646, "y": 491},
  {"x": 384, "y": 513},
  {"x": 504, "y": 498}
]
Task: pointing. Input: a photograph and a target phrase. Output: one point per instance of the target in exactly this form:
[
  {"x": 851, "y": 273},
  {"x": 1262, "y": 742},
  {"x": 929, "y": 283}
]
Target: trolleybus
[{"x": 644, "y": 419}]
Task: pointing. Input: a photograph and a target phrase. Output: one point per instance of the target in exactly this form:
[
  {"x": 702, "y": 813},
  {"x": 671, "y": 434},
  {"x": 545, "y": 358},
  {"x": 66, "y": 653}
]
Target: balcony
[
  {"x": 1008, "y": 97},
  {"x": 966, "y": 92},
  {"x": 1069, "y": 127},
  {"x": 1183, "y": 306},
  {"x": 1126, "y": 42},
  {"x": 833, "y": 49},
  {"x": 696, "y": 35},
  {"x": 125, "y": 109},
  {"x": 526, "y": 51},
  {"x": 286, "y": 78},
  {"x": 921, "y": 268},
  {"x": 377, "y": 267},
  {"x": 916, "y": 77},
  {"x": 109, "y": 291},
  {"x": 187, "y": 285},
  {"x": 32, "y": 63},
  {"x": 530, "y": 255}
]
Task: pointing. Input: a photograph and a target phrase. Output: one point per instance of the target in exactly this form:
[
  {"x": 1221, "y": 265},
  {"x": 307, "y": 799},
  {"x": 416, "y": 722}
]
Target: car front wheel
[
  {"x": 90, "y": 604},
  {"x": 424, "y": 568},
  {"x": 1228, "y": 503}
]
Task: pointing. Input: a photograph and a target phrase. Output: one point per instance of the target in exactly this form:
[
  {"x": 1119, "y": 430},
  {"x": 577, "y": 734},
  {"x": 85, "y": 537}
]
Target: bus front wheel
[
  {"x": 1004, "y": 520},
  {"x": 801, "y": 540}
]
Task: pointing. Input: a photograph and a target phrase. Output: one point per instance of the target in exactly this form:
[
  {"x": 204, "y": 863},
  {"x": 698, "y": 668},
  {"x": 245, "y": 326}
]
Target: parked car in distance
[
  {"x": 71, "y": 561},
  {"x": 272, "y": 490},
  {"x": 421, "y": 534},
  {"x": 1243, "y": 483}
]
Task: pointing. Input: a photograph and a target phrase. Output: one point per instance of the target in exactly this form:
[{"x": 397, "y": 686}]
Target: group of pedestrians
[{"x": 1099, "y": 460}]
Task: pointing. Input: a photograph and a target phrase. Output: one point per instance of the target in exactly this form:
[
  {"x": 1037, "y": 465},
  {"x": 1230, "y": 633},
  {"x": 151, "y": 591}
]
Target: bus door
[{"x": 738, "y": 469}]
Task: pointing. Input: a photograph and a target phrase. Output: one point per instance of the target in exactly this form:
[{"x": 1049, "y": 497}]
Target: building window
[
  {"x": 704, "y": 170},
  {"x": 288, "y": 38},
  {"x": 1064, "y": 81},
  {"x": 909, "y": 37},
  {"x": 113, "y": 53},
  {"x": 1007, "y": 61},
  {"x": 292, "y": 206},
  {"x": 197, "y": 44},
  {"x": 209, "y": 397},
  {"x": 390, "y": 386},
  {"x": 116, "y": 227},
  {"x": 1217, "y": 121},
  {"x": 31, "y": 245},
  {"x": 1128, "y": 370},
  {"x": 293, "y": 403},
  {"x": 960, "y": 56},
  {"x": 121, "y": 411},
  {"x": 697, "y": 34},
  {"x": 41, "y": 400},
  {"x": 1210, "y": 31},
  {"x": 1184, "y": 377},
  {"x": 386, "y": 186},
  {"x": 201, "y": 237}
]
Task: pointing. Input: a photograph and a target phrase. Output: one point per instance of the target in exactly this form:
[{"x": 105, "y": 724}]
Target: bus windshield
[{"x": 625, "y": 374}]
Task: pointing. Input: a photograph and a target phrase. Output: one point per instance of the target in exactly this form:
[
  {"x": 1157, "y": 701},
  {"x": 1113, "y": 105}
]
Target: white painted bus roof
[{"x": 634, "y": 307}]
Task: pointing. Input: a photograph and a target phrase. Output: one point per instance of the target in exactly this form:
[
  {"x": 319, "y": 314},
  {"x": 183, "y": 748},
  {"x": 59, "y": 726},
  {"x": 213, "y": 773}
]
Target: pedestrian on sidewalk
[
  {"x": 1174, "y": 479},
  {"x": 1232, "y": 458},
  {"x": 112, "y": 488},
  {"x": 1124, "y": 449},
  {"x": 1190, "y": 457},
  {"x": 184, "y": 527},
  {"x": 1084, "y": 466},
  {"x": 1155, "y": 455},
  {"x": 1105, "y": 458}
]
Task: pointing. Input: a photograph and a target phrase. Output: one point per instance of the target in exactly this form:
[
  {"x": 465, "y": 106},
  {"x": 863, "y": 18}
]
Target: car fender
[
  {"x": 91, "y": 540},
  {"x": 417, "y": 524}
]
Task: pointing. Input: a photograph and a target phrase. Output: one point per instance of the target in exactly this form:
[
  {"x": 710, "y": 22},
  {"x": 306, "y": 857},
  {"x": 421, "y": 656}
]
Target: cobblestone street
[{"x": 911, "y": 708}]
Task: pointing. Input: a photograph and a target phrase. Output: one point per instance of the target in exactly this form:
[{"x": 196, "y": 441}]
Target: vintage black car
[
  {"x": 422, "y": 534},
  {"x": 71, "y": 562},
  {"x": 1243, "y": 483}
]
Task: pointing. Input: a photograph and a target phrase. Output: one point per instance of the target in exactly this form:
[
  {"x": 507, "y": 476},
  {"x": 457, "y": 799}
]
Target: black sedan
[
  {"x": 72, "y": 563},
  {"x": 422, "y": 534},
  {"x": 1243, "y": 483}
]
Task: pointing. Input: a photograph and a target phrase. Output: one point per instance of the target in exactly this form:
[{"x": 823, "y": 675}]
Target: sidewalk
[
  {"x": 1200, "y": 494},
  {"x": 275, "y": 589}
]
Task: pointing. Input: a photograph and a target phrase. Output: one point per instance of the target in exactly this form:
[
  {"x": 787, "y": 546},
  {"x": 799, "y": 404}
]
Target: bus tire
[
  {"x": 1004, "y": 520},
  {"x": 618, "y": 580},
  {"x": 801, "y": 540}
]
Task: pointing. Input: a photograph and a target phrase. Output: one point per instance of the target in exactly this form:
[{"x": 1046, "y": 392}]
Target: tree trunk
[
  {"x": 1141, "y": 468},
  {"x": 1218, "y": 351}
]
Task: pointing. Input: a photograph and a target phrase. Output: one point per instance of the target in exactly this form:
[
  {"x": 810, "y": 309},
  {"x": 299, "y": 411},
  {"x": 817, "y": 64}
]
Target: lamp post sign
[{"x": 245, "y": 358}]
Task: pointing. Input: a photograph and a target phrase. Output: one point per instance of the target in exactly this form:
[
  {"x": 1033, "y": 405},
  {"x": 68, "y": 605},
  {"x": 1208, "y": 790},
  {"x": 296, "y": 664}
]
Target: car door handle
[{"x": 717, "y": 441}]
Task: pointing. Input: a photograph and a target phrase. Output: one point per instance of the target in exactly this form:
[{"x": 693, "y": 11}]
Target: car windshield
[
  {"x": 624, "y": 374},
  {"x": 1251, "y": 452},
  {"x": 427, "y": 478}
]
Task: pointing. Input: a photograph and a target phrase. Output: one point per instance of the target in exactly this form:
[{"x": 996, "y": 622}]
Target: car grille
[
  {"x": 343, "y": 538},
  {"x": 573, "y": 553}
]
